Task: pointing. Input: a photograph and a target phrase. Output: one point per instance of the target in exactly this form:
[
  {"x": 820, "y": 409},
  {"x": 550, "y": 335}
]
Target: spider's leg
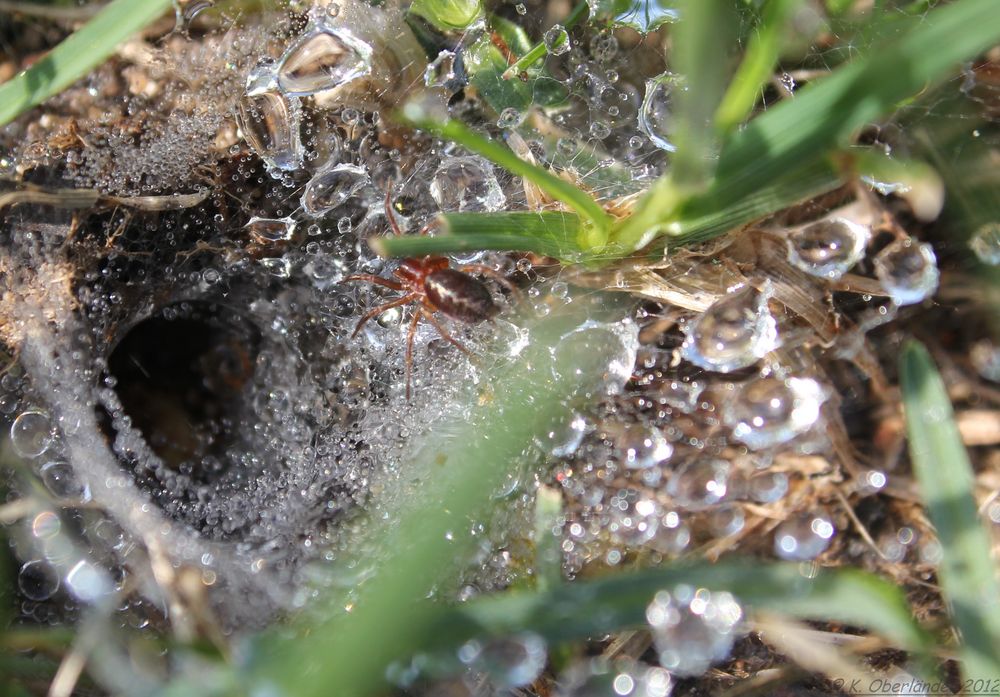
[
  {"x": 444, "y": 332},
  {"x": 382, "y": 308},
  {"x": 377, "y": 280},
  {"x": 390, "y": 214},
  {"x": 409, "y": 351}
]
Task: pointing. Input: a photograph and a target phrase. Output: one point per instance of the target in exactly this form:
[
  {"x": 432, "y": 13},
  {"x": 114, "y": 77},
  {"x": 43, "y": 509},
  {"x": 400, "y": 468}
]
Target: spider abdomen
[{"x": 460, "y": 296}]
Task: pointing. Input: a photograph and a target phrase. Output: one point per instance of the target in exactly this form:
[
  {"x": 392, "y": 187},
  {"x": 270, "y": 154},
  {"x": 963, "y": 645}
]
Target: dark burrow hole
[{"x": 181, "y": 376}]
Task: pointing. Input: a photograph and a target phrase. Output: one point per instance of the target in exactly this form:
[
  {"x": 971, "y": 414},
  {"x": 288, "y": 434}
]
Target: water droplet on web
[
  {"x": 270, "y": 230},
  {"x": 563, "y": 439},
  {"x": 278, "y": 267},
  {"x": 623, "y": 678},
  {"x": 656, "y": 113},
  {"x": 767, "y": 487},
  {"x": 804, "y": 536},
  {"x": 734, "y": 332},
  {"x": 633, "y": 517},
  {"x": 828, "y": 248},
  {"x": 331, "y": 187},
  {"x": 699, "y": 483},
  {"x": 556, "y": 40},
  {"x": 324, "y": 58},
  {"x": 604, "y": 46},
  {"x": 600, "y": 130},
  {"x": 985, "y": 358},
  {"x": 38, "y": 580},
  {"x": 31, "y": 433},
  {"x": 270, "y": 121},
  {"x": 59, "y": 478},
  {"x": 985, "y": 243},
  {"x": 463, "y": 184},
  {"x": 521, "y": 9},
  {"x": 692, "y": 629},
  {"x": 87, "y": 583},
  {"x": 510, "y": 662},
  {"x": 726, "y": 520},
  {"x": 643, "y": 446},
  {"x": 597, "y": 358},
  {"x": 908, "y": 271},
  {"x": 45, "y": 525},
  {"x": 510, "y": 118},
  {"x": 769, "y": 411}
]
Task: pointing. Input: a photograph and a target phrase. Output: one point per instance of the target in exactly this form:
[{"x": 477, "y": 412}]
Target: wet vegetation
[{"x": 633, "y": 348}]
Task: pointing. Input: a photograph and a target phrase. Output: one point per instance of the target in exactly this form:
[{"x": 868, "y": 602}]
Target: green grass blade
[
  {"x": 968, "y": 574},
  {"x": 757, "y": 65},
  {"x": 618, "y": 601},
  {"x": 823, "y": 116},
  {"x": 82, "y": 50},
  {"x": 501, "y": 155},
  {"x": 552, "y": 234},
  {"x": 548, "y": 538},
  {"x": 828, "y": 113},
  {"x": 540, "y": 50},
  {"x": 703, "y": 39}
]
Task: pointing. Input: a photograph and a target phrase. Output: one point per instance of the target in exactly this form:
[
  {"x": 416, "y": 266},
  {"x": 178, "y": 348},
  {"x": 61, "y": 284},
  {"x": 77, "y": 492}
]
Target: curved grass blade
[
  {"x": 823, "y": 116},
  {"x": 499, "y": 154},
  {"x": 551, "y": 234},
  {"x": 756, "y": 67},
  {"x": 618, "y": 601},
  {"x": 80, "y": 52},
  {"x": 968, "y": 573},
  {"x": 827, "y": 114},
  {"x": 540, "y": 50},
  {"x": 702, "y": 40}
]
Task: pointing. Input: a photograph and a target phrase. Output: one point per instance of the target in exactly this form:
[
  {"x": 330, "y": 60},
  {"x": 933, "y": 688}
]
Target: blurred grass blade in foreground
[{"x": 967, "y": 572}]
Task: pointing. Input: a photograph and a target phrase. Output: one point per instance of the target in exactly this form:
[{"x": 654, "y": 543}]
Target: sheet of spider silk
[{"x": 581, "y": 350}]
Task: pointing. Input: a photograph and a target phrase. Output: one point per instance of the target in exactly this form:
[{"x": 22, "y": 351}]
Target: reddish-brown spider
[{"x": 435, "y": 286}]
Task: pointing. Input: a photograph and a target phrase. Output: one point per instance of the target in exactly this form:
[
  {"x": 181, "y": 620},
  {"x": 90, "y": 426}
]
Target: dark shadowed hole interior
[{"x": 181, "y": 376}]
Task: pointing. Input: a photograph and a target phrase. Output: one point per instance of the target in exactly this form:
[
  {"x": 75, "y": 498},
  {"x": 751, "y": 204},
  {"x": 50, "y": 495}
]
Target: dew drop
[
  {"x": 38, "y": 580},
  {"x": 643, "y": 447},
  {"x": 324, "y": 58},
  {"x": 908, "y": 271},
  {"x": 510, "y": 662},
  {"x": 564, "y": 439},
  {"x": 597, "y": 358},
  {"x": 331, "y": 187},
  {"x": 769, "y": 411},
  {"x": 31, "y": 433},
  {"x": 804, "y": 536},
  {"x": 985, "y": 243},
  {"x": 828, "y": 248},
  {"x": 556, "y": 40},
  {"x": 59, "y": 478},
  {"x": 463, "y": 184},
  {"x": 735, "y": 332},
  {"x": 656, "y": 112},
  {"x": 270, "y": 230},
  {"x": 767, "y": 487},
  {"x": 699, "y": 483},
  {"x": 510, "y": 118},
  {"x": 270, "y": 121},
  {"x": 692, "y": 629}
]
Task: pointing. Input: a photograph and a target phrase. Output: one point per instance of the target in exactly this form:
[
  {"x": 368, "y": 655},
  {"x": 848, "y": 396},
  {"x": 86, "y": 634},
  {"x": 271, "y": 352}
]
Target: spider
[{"x": 432, "y": 283}]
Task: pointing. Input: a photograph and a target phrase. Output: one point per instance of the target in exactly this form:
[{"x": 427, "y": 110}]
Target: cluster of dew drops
[{"x": 686, "y": 435}]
